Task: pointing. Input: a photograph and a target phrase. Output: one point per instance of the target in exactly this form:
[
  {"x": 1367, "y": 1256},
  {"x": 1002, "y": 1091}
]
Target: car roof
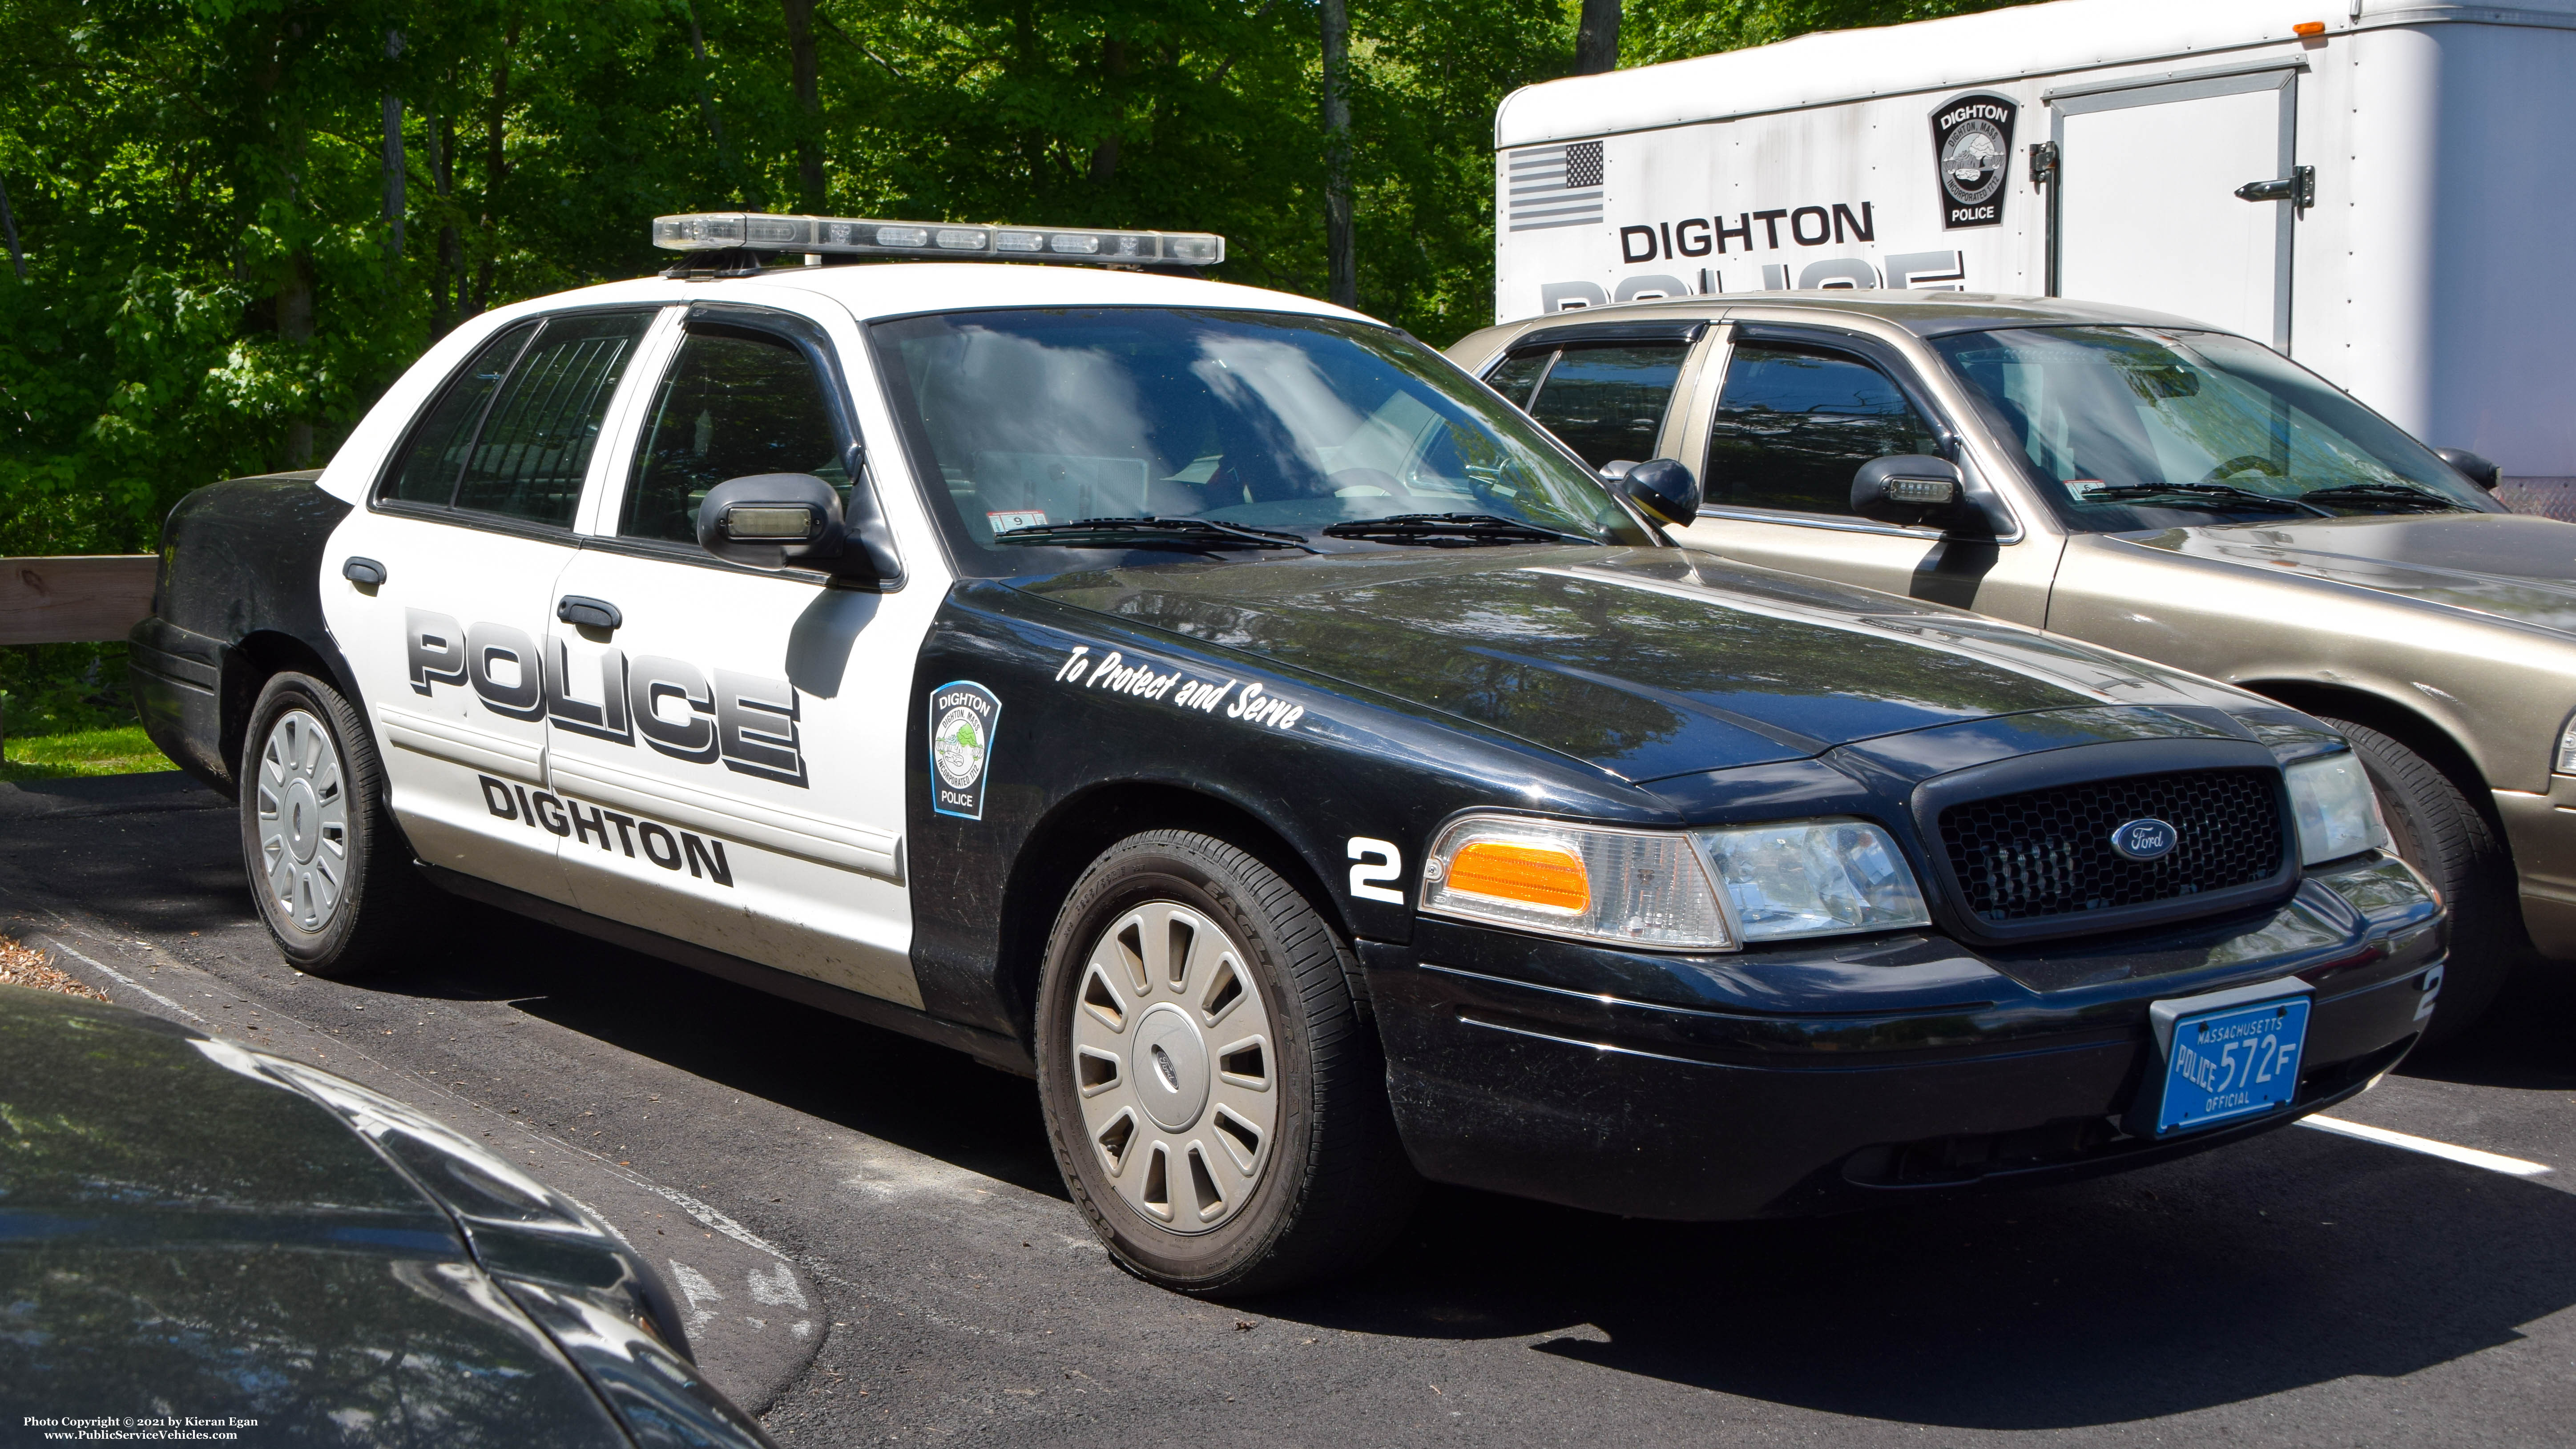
[
  {"x": 1924, "y": 313},
  {"x": 873, "y": 290}
]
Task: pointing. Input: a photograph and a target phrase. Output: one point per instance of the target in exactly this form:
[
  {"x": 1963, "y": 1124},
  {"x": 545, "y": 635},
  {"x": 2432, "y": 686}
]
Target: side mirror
[
  {"x": 1664, "y": 488},
  {"x": 1908, "y": 489},
  {"x": 774, "y": 520},
  {"x": 2482, "y": 471}
]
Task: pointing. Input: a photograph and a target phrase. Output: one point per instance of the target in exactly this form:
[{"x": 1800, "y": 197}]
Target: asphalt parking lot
[{"x": 874, "y": 1245}]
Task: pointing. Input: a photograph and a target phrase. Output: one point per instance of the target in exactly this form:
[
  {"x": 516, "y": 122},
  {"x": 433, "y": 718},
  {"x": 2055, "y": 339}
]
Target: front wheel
[
  {"x": 2434, "y": 827},
  {"x": 328, "y": 868},
  {"x": 1214, "y": 1097}
]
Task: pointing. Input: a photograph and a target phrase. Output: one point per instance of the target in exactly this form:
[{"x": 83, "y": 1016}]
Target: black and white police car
[{"x": 1218, "y": 705}]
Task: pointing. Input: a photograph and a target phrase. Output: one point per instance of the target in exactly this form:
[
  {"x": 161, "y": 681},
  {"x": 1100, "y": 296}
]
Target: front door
[
  {"x": 1798, "y": 411},
  {"x": 727, "y": 747},
  {"x": 2146, "y": 212},
  {"x": 471, "y": 525}
]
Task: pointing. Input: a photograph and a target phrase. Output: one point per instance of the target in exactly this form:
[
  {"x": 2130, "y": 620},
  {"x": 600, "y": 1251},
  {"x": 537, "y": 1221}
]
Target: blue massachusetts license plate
[{"x": 2235, "y": 1062}]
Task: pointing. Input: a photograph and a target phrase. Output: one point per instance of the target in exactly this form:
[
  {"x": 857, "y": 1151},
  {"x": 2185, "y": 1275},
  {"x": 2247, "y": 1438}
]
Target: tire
[
  {"x": 330, "y": 872},
  {"x": 2434, "y": 827},
  {"x": 1180, "y": 972}
]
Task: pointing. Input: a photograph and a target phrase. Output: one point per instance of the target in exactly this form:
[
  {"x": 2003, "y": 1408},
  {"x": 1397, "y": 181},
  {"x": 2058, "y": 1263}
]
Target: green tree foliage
[{"x": 212, "y": 285}]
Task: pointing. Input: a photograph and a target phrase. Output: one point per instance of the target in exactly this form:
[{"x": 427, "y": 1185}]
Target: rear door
[
  {"x": 1798, "y": 411},
  {"x": 471, "y": 525},
  {"x": 2145, "y": 211}
]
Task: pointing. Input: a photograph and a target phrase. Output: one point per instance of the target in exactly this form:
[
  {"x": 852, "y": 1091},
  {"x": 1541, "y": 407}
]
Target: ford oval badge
[{"x": 2149, "y": 839}]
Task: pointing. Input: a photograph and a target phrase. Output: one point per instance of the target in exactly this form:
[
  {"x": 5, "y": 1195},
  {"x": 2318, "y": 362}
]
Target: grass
[{"x": 125, "y": 750}]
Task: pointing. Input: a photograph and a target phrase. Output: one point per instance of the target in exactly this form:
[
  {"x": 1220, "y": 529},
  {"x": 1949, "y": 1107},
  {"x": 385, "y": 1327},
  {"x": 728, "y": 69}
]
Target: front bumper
[
  {"x": 2541, "y": 830},
  {"x": 1816, "y": 1080}
]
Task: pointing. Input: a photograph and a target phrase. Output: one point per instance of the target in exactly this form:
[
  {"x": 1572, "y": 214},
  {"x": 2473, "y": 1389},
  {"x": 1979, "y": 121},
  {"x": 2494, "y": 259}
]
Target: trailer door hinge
[
  {"x": 2298, "y": 188},
  {"x": 2043, "y": 163}
]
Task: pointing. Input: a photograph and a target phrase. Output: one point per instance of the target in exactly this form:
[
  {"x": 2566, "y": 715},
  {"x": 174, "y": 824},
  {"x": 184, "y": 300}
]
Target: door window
[
  {"x": 1520, "y": 373},
  {"x": 732, "y": 406},
  {"x": 1795, "y": 423},
  {"x": 513, "y": 433},
  {"x": 1608, "y": 401}
]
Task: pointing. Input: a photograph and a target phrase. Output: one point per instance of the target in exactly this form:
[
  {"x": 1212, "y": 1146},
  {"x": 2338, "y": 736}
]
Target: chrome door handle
[{"x": 587, "y": 613}]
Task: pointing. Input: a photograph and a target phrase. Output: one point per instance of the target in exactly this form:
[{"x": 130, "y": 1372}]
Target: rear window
[{"x": 512, "y": 433}]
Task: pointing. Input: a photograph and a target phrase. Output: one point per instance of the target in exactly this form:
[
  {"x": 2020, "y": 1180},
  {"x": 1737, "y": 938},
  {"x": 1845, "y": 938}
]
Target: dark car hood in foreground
[
  {"x": 181, "y": 1237},
  {"x": 2510, "y": 565},
  {"x": 1646, "y": 662}
]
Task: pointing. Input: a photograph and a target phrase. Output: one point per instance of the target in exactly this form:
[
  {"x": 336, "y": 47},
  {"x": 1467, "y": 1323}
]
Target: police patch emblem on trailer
[
  {"x": 963, "y": 716},
  {"x": 1972, "y": 144}
]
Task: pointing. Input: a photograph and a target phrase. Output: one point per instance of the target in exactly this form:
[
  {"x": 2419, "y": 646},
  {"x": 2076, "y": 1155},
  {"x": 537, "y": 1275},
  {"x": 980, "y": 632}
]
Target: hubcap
[
  {"x": 1172, "y": 1060},
  {"x": 303, "y": 824}
]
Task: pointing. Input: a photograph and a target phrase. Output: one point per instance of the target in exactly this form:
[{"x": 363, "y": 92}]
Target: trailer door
[{"x": 2146, "y": 210}]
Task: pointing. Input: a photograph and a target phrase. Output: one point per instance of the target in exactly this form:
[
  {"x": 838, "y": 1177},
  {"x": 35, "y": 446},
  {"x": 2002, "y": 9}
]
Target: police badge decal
[
  {"x": 1972, "y": 146},
  {"x": 962, "y": 720}
]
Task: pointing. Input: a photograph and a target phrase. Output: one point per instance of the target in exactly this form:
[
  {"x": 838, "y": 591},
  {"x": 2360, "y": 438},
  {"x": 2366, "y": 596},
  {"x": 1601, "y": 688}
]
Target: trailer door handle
[
  {"x": 2300, "y": 186},
  {"x": 362, "y": 571},
  {"x": 587, "y": 613}
]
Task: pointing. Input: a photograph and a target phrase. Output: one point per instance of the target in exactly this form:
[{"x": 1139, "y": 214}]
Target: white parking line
[{"x": 2491, "y": 1161}]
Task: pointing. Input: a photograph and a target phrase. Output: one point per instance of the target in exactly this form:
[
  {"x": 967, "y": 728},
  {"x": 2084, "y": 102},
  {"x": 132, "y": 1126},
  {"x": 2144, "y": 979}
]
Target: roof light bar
[{"x": 849, "y": 236}]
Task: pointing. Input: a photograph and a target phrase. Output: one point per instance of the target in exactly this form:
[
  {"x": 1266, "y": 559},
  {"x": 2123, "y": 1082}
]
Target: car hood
[
  {"x": 1647, "y": 663},
  {"x": 2509, "y": 565}
]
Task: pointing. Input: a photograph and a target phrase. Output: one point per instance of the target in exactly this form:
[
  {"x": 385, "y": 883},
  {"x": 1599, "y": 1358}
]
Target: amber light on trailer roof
[{"x": 858, "y": 237}]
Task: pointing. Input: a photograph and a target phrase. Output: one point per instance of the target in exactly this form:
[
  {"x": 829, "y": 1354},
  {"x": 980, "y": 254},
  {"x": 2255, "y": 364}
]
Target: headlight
[
  {"x": 1707, "y": 890},
  {"x": 1825, "y": 878},
  {"x": 2338, "y": 813},
  {"x": 2567, "y": 748},
  {"x": 1628, "y": 887}
]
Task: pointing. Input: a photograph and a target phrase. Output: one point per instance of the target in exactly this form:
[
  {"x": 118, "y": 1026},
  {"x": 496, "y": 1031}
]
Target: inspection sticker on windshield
[
  {"x": 2237, "y": 1061},
  {"x": 1016, "y": 518}
]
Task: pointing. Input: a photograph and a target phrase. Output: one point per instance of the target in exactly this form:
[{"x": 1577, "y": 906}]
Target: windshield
[
  {"x": 1045, "y": 417},
  {"x": 2137, "y": 428}
]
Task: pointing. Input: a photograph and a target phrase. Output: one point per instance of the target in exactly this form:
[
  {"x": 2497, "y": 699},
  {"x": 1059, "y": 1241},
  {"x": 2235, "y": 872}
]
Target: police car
[{"x": 1219, "y": 706}]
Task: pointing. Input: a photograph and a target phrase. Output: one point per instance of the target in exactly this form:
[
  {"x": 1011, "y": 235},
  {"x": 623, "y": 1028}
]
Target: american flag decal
[{"x": 1550, "y": 186}]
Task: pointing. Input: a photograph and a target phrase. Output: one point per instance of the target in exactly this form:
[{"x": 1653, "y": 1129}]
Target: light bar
[{"x": 707, "y": 231}]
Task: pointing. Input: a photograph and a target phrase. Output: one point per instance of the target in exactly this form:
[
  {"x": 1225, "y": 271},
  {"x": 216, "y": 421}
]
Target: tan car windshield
[{"x": 2131, "y": 427}]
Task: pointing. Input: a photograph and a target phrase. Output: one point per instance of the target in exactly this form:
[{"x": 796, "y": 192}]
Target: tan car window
[
  {"x": 1518, "y": 374},
  {"x": 1608, "y": 401},
  {"x": 1795, "y": 423}
]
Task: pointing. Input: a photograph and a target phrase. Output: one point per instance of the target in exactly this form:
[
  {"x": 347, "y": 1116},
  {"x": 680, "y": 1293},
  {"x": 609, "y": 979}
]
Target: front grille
[{"x": 2048, "y": 852}]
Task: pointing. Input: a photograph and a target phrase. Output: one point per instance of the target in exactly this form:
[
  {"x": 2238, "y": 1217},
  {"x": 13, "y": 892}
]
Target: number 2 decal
[{"x": 1380, "y": 866}]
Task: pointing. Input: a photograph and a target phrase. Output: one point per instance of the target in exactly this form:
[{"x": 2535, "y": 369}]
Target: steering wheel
[{"x": 2245, "y": 463}]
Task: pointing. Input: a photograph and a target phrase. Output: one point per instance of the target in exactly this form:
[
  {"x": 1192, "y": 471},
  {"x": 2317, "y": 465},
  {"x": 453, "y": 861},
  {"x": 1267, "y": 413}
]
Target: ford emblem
[{"x": 2149, "y": 839}]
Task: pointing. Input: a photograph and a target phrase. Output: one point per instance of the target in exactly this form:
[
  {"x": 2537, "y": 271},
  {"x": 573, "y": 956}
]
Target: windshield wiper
[
  {"x": 1473, "y": 527},
  {"x": 2399, "y": 495},
  {"x": 1148, "y": 531},
  {"x": 2214, "y": 497}
]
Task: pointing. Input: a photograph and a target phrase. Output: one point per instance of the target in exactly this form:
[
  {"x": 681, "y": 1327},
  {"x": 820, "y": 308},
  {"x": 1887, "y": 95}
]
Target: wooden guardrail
[{"x": 74, "y": 598}]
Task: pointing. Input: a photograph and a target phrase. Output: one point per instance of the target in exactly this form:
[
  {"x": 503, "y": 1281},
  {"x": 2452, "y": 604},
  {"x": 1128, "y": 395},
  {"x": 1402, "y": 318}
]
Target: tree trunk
[
  {"x": 9, "y": 224},
  {"x": 805, "y": 66},
  {"x": 707, "y": 100},
  {"x": 441, "y": 134},
  {"x": 1596, "y": 40},
  {"x": 1113, "y": 66},
  {"x": 295, "y": 326},
  {"x": 1341, "y": 257},
  {"x": 496, "y": 165}
]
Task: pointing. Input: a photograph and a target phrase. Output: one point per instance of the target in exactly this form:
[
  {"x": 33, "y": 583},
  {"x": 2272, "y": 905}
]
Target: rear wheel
[
  {"x": 1216, "y": 1101},
  {"x": 330, "y": 872},
  {"x": 2436, "y": 828}
]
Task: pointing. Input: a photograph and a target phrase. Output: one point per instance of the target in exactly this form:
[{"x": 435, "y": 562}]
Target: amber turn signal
[
  {"x": 2308, "y": 29},
  {"x": 1537, "y": 875}
]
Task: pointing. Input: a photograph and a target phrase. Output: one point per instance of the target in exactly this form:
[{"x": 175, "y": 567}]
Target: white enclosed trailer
[{"x": 2383, "y": 189}]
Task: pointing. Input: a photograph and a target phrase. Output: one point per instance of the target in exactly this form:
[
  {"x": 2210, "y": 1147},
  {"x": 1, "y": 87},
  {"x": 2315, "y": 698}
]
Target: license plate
[{"x": 2232, "y": 1063}]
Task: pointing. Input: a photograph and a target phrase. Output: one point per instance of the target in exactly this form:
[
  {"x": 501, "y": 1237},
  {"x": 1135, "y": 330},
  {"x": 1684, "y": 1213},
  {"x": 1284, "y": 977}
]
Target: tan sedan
[{"x": 2139, "y": 482}]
